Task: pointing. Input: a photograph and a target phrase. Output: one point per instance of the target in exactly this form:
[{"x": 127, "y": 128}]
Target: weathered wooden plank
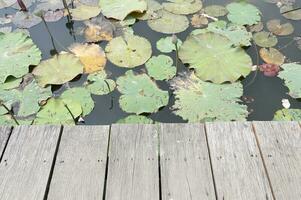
[
  {"x": 79, "y": 172},
  {"x": 133, "y": 163},
  {"x": 185, "y": 164},
  {"x": 237, "y": 166},
  {"x": 280, "y": 144},
  {"x": 27, "y": 161},
  {"x": 4, "y": 134}
]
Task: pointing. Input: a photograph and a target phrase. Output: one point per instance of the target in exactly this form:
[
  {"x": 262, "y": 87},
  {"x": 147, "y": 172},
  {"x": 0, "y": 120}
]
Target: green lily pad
[
  {"x": 199, "y": 101},
  {"x": 277, "y": 28},
  {"x": 128, "y": 51},
  {"x": 288, "y": 115},
  {"x": 99, "y": 84},
  {"x": 265, "y": 39},
  {"x": 216, "y": 10},
  {"x": 165, "y": 45},
  {"x": 293, "y": 15},
  {"x": 119, "y": 9},
  {"x": 79, "y": 96},
  {"x": 160, "y": 67},
  {"x": 10, "y": 83},
  {"x": 55, "y": 112},
  {"x": 25, "y": 100},
  {"x": 135, "y": 119},
  {"x": 151, "y": 13},
  {"x": 140, "y": 94},
  {"x": 183, "y": 7},
  {"x": 84, "y": 12},
  {"x": 214, "y": 58},
  {"x": 6, "y": 3},
  {"x": 243, "y": 13},
  {"x": 7, "y": 120},
  {"x": 291, "y": 76},
  {"x": 17, "y": 52},
  {"x": 58, "y": 70},
  {"x": 169, "y": 23}
]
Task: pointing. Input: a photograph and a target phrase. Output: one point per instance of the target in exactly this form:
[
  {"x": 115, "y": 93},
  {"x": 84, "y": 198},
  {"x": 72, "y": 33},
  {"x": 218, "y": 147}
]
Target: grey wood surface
[
  {"x": 79, "y": 172},
  {"x": 4, "y": 134},
  {"x": 280, "y": 143},
  {"x": 237, "y": 166},
  {"x": 133, "y": 163},
  {"x": 185, "y": 164},
  {"x": 27, "y": 161}
]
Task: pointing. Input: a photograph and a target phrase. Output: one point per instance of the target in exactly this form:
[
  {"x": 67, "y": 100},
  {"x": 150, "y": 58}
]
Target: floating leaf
[
  {"x": 169, "y": 23},
  {"x": 165, "y": 45},
  {"x": 272, "y": 56},
  {"x": 140, "y": 94},
  {"x": 293, "y": 14},
  {"x": 84, "y": 12},
  {"x": 243, "y": 13},
  {"x": 45, "y": 5},
  {"x": 213, "y": 58},
  {"x": 53, "y": 16},
  {"x": 56, "y": 112},
  {"x": 277, "y": 28},
  {"x": 160, "y": 67},
  {"x": 265, "y": 39},
  {"x": 291, "y": 76},
  {"x": 7, "y": 120},
  {"x": 119, "y": 9},
  {"x": 183, "y": 7},
  {"x": 6, "y": 3},
  {"x": 17, "y": 52},
  {"x": 58, "y": 70},
  {"x": 25, "y": 100},
  {"x": 256, "y": 27},
  {"x": 135, "y": 119},
  {"x": 79, "y": 96},
  {"x": 99, "y": 84},
  {"x": 151, "y": 13},
  {"x": 25, "y": 20},
  {"x": 216, "y": 10},
  {"x": 199, "y": 101},
  {"x": 99, "y": 29},
  {"x": 198, "y": 21},
  {"x": 91, "y": 55},
  {"x": 128, "y": 51},
  {"x": 288, "y": 115}
]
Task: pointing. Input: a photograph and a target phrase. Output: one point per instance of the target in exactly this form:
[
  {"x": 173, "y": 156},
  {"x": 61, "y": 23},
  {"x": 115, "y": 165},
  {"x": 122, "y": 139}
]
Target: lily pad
[
  {"x": 6, "y": 3},
  {"x": 99, "y": 84},
  {"x": 214, "y": 58},
  {"x": 58, "y": 70},
  {"x": 128, "y": 51},
  {"x": 160, "y": 67},
  {"x": 272, "y": 56},
  {"x": 243, "y": 13},
  {"x": 25, "y": 20},
  {"x": 53, "y": 16},
  {"x": 84, "y": 12},
  {"x": 169, "y": 23},
  {"x": 99, "y": 29},
  {"x": 293, "y": 14},
  {"x": 183, "y": 7},
  {"x": 199, "y": 101},
  {"x": 288, "y": 115},
  {"x": 81, "y": 96},
  {"x": 265, "y": 39},
  {"x": 56, "y": 112},
  {"x": 198, "y": 21},
  {"x": 165, "y": 45},
  {"x": 91, "y": 55},
  {"x": 277, "y": 28},
  {"x": 291, "y": 76},
  {"x": 135, "y": 119},
  {"x": 17, "y": 52},
  {"x": 216, "y": 10},
  {"x": 119, "y": 9},
  {"x": 140, "y": 94},
  {"x": 151, "y": 13}
]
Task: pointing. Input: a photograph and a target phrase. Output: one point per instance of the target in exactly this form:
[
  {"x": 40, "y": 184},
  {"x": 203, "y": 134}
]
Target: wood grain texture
[
  {"x": 27, "y": 161},
  {"x": 237, "y": 166},
  {"x": 280, "y": 143},
  {"x": 185, "y": 164},
  {"x": 4, "y": 134},
  {"x": 79, "y": 172},
  {"x": 133, "y": 163}
]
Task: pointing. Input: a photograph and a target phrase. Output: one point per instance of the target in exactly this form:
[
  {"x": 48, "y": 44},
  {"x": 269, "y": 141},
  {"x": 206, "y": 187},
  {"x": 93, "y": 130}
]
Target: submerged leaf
[
  {"x": 199, "y": 101},
  {"x": 214, "y": 59},
  {"x": 58, "y": 70},
  {"x": 291, "y": 76},
  {"x": 17, "y": 52},
  {"x": 140, "y": 94},
  {"x": 128, "y": 51},
  {"x": 160, "y": 67}
]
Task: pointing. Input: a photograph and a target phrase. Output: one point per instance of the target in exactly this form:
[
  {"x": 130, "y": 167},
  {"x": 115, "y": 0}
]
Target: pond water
[{"x": 262, "y": 94}]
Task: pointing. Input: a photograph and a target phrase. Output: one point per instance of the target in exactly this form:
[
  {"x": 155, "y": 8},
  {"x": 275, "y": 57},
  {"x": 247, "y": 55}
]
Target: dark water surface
[{"x": 267, "y": 92}]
